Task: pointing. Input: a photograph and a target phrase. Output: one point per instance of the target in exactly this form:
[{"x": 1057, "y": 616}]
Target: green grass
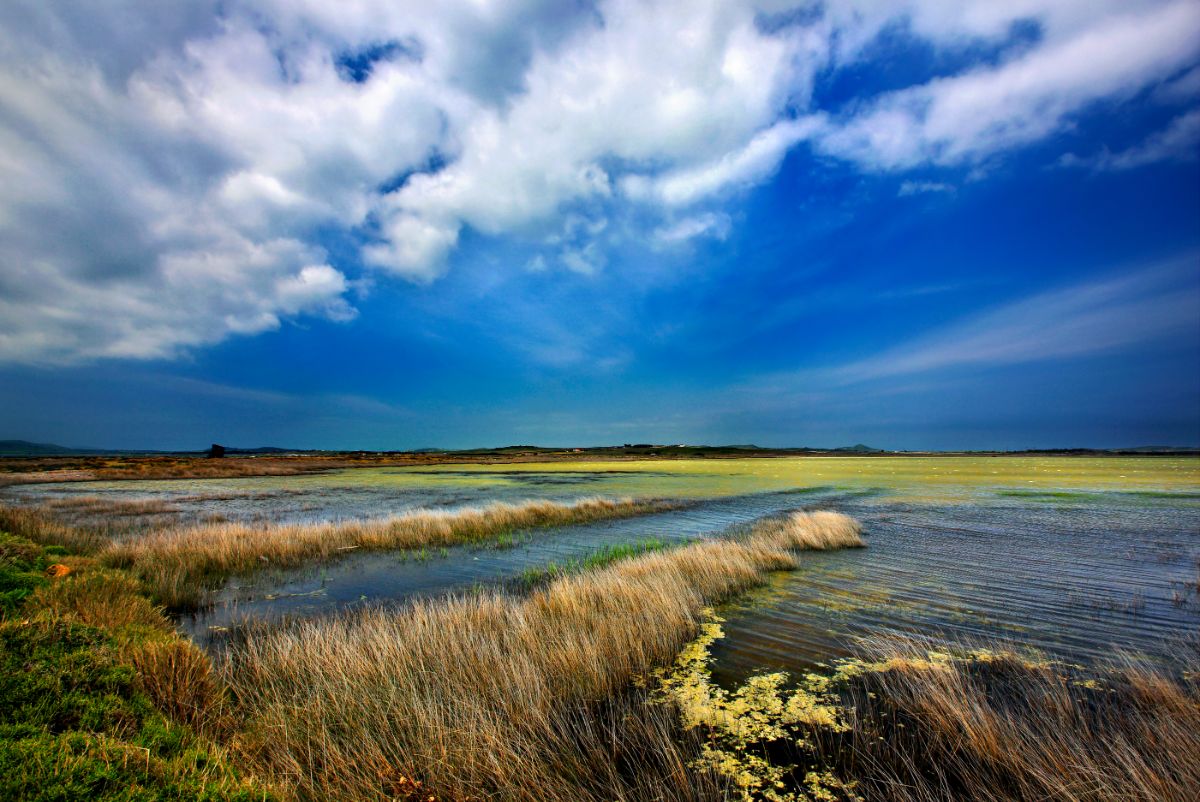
[
  {"x": 1045, "y": 495},
  {"x": 542, "y": 575},
  {"x": 87, "y": 707},
  {"x": 22, "y": 564},
  {"x": 1164, "y": 494}
]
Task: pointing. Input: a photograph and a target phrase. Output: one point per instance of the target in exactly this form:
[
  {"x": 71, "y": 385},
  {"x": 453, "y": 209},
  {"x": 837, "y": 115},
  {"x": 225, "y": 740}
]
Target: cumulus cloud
[{"x": 169, "y": 175}]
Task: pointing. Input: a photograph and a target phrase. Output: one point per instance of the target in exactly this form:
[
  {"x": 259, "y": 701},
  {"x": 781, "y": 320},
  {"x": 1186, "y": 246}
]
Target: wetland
[{"x": 1088, "y": 564}]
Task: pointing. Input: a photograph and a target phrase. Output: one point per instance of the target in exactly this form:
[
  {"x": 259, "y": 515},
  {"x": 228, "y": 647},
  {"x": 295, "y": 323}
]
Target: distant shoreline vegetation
[
  {"x": 27, "y": 448},
  {"x": 121, "y": 466}
]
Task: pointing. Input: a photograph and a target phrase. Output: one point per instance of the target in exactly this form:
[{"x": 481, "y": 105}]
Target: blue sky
[{"x": 967, "y": 225}]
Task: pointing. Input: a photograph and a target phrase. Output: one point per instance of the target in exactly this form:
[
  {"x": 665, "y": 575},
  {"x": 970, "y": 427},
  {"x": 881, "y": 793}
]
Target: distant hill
[{"x": 25, "y": 448}]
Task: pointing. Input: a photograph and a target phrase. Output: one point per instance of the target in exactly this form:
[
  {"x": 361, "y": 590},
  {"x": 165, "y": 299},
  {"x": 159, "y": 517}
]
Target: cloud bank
[{"x": 170, "y": 177}]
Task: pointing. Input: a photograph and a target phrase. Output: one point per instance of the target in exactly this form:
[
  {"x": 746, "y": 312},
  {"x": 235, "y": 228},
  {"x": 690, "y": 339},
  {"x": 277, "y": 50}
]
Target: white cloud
[
  {"x": 1179, "y": 141},
  {"x": 922, "y": 187},
  {"x": 748, "y": 165},
  {"x": 166, "y": 174},
  {"x": 967, "y": 118},
  {"x": 1183, "y": 89},
  {"x": 586, "y": 260},
  {"x": 701, "y": 225},
  {"x": 1085, "y": 319}
]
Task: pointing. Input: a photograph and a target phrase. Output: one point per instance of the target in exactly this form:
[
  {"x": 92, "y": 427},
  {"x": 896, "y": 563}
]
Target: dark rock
[{"x": 215, "y": 451}]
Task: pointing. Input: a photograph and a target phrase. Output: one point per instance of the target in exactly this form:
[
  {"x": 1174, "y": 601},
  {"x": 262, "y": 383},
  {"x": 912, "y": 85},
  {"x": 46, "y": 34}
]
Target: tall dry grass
[
  {"x": 494, "y": 696},
  {"x": 999, "y": 727},
  {"x": 180, "y": 564},
  {"x": 100, "y": 506},
  {"x": 44, "y": 528}
]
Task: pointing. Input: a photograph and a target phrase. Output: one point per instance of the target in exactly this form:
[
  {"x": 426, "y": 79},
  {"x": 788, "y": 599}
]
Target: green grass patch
[
  {"x": 1163, "y": 494},
  {"x": 543, "y": 575},
  {"x": 87, "y": 707},
  {"x": 1045, "y": 495},
  {"x": 22, "y": 567}
]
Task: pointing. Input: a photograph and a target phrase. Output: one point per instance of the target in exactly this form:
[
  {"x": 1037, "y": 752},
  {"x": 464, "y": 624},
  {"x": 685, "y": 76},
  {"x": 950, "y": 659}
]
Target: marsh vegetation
[
  {"x": 604, "y": 672},
  {"x": 181, "y": 564},
  {"x": 487, "y": 695}
]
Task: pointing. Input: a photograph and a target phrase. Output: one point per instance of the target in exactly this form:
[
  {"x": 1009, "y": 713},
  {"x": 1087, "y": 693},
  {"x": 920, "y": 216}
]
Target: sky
[{"x": 373, "y": 224}]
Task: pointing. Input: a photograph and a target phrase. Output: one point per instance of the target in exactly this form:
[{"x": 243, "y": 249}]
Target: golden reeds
[
  {"x": 999, "y": 727},
  {"x": 495, "y": 696},
  {"x": 100, "y": 506},
  {"x": 41, "y": 527},
  {"x": 180, "y": 564}
]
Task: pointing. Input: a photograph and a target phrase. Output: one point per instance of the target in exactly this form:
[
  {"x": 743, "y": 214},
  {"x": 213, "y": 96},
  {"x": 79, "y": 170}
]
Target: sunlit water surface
[{"x": 1081, "y": 558}]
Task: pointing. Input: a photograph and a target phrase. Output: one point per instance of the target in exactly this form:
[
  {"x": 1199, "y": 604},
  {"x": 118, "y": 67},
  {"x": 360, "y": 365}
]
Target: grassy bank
[
  {"x": 99, "y": 698},
  {"x": 496, "y": 696},
  {"x": 180, "y": 564}
]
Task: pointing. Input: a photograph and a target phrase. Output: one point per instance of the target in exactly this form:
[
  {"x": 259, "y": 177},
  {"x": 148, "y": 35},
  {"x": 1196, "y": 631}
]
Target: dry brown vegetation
[
  {"x": 498, "y": 696},
  {"x": 100, "y": 506},
  {"x": 113, "y": 467},
  {"x": 999, "y": 727},
  {"x": 16, "y": 471},
  {"x": 180, "y": 564},
  {"x": 114, "y": 518},
  {"x": 41, "y": 527}
]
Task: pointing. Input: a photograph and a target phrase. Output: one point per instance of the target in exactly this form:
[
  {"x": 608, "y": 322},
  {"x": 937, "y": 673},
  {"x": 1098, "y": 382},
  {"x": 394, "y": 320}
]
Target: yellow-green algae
[
  {"x": 740, "y": 723},
  {"x": 907, "y": 477},
  {"x": 946, "y": 479},
  {"x": 776, "y": 708}
]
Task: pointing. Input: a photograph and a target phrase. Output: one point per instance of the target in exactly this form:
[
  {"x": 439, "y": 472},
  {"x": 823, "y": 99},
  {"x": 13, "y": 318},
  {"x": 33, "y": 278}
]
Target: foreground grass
[
  {"x": 99, "y": 698},
  {"x": 996, "y": 726},
  {"x": 912, "y": 723},
  {"x": 181, "y": 564},
  {"x": 499, "y": 696}
]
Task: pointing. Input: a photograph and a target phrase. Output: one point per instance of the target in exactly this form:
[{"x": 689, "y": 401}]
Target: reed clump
[
  {"x": 498, "y": 696},
  {"x": 995, "y": 726},
  {"x": 40, "y": 526},
  {"x": 99, "y": 506},
  {"x": 181, "y": 564}
]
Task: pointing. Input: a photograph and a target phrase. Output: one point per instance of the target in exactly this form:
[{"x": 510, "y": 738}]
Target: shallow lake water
[{"x": 1078, "y": 557}]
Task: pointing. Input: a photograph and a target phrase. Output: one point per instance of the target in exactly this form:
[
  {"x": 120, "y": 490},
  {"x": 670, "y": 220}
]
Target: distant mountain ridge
[
  {"x": 28, "y": 448},
  {"x": 25, "y": 448}
]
